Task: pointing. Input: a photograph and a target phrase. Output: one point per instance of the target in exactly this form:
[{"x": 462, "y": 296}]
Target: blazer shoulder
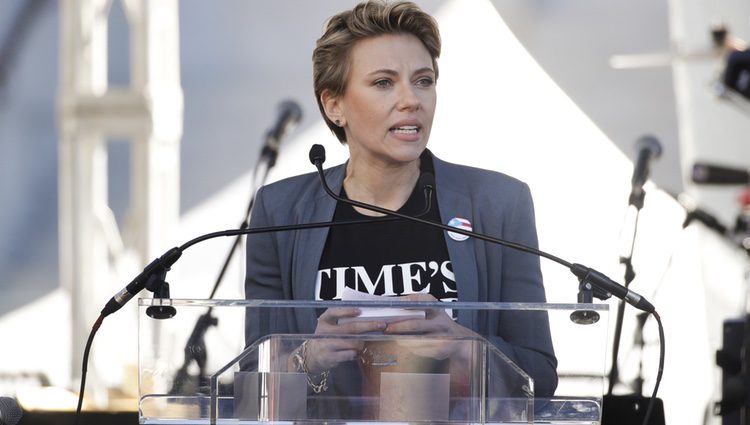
[
  {"x": 298, "y": 190},
  {"x": 475, "y": 179}
]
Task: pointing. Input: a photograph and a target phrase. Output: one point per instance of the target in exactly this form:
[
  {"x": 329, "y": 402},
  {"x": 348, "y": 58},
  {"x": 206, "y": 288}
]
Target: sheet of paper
[{"x": 387, "y": 314}]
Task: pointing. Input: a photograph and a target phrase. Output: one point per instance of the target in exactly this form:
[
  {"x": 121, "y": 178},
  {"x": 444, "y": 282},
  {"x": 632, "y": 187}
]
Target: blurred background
[{"x": 129, "y": 127}]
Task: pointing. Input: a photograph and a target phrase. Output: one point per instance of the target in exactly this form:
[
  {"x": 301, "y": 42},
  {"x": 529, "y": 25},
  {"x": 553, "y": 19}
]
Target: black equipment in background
[
  {"x": 705, "y": 173},
  {"x": 734, "y": 407},
  {"x": 712, "y": 174},
  {"x": 737, "y": 72},
  {"x": 706, "y": 218},
  {"x": 10, "y": 411},
  {"x": 630, "y": 409},
  {"x": 56, "y": 417}
]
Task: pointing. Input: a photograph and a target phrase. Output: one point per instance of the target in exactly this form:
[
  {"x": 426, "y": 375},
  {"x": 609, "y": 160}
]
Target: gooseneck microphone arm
[
  {"x": 318, "y": 157},
  {"x": 170, "y": 257},
  {"x": 599, "y": 284},
  {"x": 162, "y": 264},
  {"x": 585, "y": 274}
]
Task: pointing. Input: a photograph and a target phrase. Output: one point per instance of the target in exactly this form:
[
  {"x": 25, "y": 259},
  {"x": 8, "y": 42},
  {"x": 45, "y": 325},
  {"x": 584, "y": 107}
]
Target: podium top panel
[{"x": 386, "y": 303}]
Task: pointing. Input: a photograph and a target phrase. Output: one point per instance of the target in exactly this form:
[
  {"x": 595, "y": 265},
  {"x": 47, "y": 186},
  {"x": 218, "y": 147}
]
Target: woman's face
[{"x": 389, "y": 101}]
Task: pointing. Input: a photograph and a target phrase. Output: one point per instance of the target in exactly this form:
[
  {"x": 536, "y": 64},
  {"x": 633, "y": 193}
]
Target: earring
[{"x": 338, "y": 123}]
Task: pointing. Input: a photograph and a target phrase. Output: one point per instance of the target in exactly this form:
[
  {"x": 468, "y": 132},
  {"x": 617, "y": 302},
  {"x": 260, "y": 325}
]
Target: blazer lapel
[
  {"x": 309, "y": 244},
  {"x": 454, "y": 202}
]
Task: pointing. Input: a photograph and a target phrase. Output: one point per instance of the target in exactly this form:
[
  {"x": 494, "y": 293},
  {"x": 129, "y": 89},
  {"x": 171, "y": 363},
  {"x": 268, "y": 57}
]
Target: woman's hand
[
  {"x": 436, "y": 324},
  {"x": 323, "y": 354}
]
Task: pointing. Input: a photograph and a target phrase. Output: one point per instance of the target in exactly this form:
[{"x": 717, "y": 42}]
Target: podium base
[
  {"x": 630, "y": 409},
  {"x": 87, "y": 418}
]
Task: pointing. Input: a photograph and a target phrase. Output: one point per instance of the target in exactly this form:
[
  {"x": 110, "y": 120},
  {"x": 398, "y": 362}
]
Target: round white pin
[{"x": 459, "y": 223}]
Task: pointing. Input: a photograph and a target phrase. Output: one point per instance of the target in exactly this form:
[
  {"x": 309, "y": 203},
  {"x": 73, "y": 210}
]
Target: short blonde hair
[{"x": 332, "y": 54}]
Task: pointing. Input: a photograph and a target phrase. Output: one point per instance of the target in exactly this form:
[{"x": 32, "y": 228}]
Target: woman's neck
[{"x": 387, "y": 187}]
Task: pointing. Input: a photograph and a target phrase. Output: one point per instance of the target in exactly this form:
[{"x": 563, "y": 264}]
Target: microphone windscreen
[
  {"x": 426, "y": 180},
  {"x": 291, "y": 109},
  {"x": 717, "y": 174},
  {"x": 317, "y": 154},
  {"x": 649, "y": 143},
  {"x": 10, "y": 411}
]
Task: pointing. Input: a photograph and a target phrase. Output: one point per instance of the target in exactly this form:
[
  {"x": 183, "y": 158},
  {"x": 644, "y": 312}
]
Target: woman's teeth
[{"x": 407, "y": 129}]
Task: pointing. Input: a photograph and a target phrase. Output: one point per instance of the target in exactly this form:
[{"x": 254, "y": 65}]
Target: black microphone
[
  {"x": 606, "y": 286},
  {"x": 290, "y": 115},
  {"x": 157, "y": 267},
  {"x": 10, "y": 411},
  {"x": 648, "y": 149},
  {"x": 704, "y": 173},
  {"x": 426, "y": 182}
]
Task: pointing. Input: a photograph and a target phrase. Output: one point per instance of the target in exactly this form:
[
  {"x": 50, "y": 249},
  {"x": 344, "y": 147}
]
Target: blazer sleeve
[{"x": 526, "y": 336}]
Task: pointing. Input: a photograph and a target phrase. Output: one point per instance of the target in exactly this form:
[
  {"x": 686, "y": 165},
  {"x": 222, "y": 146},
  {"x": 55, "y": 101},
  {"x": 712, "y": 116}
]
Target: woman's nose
[{"x": 408, "y": 98}]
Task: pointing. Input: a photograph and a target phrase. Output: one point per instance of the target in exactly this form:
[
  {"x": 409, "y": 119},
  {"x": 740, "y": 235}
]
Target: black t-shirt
[{"x": 388, "y": 258}]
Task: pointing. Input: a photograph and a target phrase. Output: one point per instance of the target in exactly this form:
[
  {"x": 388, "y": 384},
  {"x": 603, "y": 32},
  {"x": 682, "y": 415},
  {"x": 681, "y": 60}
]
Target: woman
[{"x": 375, "y": 71}]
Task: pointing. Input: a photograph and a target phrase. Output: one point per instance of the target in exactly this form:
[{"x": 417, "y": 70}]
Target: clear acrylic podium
[{"x": 464, "y": 379}]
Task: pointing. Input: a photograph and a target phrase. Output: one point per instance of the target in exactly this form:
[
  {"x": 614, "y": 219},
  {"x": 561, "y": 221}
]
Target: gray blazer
[{"x": 283, "y": 265}]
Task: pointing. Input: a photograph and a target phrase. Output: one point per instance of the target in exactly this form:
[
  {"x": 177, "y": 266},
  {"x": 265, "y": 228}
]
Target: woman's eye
[
  {"x": 382, "y": 83},
  {"x": 425, "y": 82}
]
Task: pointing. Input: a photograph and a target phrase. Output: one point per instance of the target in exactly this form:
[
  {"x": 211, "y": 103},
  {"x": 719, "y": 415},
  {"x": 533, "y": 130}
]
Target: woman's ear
[{"x": 333, "y": 107}]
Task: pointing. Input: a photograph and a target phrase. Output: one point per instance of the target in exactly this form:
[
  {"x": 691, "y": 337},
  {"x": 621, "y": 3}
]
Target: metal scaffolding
[{"x": 148, "y": 114}]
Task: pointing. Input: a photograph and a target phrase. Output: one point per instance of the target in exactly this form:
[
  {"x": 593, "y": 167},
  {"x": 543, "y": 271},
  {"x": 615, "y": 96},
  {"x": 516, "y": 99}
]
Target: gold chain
[{"x": 299, "y": 361}]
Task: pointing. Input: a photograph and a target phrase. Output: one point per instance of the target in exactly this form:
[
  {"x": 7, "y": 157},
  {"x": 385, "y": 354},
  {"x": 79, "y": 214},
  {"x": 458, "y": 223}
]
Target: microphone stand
[
  {"x": 195, "y": 348},
  {"x": 627, "y": 261}
]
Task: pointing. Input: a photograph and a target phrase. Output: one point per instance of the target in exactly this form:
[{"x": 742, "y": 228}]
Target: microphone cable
[
  {"x": 84, "y": 367},
  {"x": 585, "y": 274}
]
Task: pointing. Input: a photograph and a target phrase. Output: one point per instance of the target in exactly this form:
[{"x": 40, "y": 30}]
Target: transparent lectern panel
[
  {"x": 261, "y": 362},
  {"x": 391, "y": 379}
]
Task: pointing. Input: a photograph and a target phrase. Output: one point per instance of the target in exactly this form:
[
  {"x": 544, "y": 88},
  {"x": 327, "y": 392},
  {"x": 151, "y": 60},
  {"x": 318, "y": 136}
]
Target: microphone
[
  {"x": 10, "y": 411},
  {"x": 648, "y": 149},
  {"x": 704, "y": 173},
  {"x": 158, "y": 267},
  {"x": 604, "y": 287},
  {"x": 426, "y": 181},
  {"x": 289, "y": 116}
]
